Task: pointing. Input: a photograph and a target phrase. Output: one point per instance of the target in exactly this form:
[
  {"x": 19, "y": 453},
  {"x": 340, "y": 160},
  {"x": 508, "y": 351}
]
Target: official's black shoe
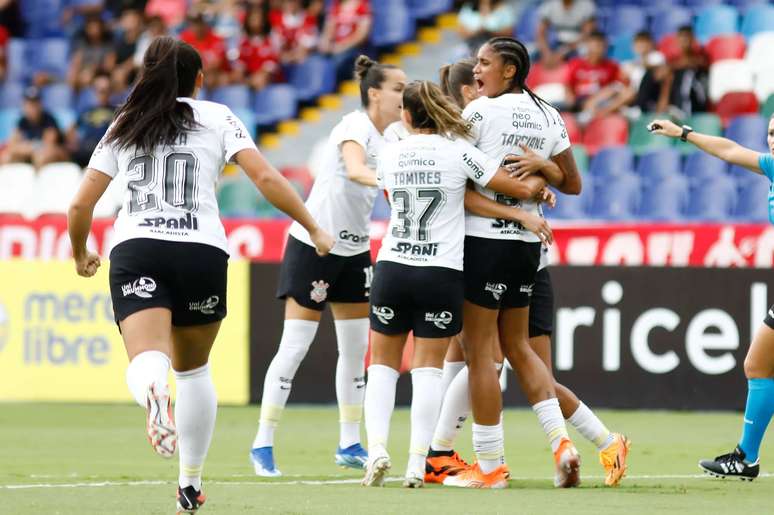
[
  {"x": 189, "y": 500},
  {"x": 731, "y": 465}
]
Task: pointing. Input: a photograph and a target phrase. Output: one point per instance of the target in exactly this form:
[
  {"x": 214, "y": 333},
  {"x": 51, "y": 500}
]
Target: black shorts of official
[
  {"x": 424, "y": 299},
  {"x": 769, "y": 320},
  {"x": 189, "y": 279},
  {"x": 500, "y": 274},
  {"x": 312, "y": 280},
  {"x": 541, "y": 306}
]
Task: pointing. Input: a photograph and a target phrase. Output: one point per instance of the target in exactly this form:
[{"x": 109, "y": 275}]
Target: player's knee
[
  {"x": 753, "y": 369},
  {"x": 294, "y": 351},
  {"x": 353, "y": 348}
]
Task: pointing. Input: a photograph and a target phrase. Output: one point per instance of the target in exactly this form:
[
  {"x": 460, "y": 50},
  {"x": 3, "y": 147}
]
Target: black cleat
[
  {"x": 731, "y": 465},
  {"x": 189, "y": 500}
]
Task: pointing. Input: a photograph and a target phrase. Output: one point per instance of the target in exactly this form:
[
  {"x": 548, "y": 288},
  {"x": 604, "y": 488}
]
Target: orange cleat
[
  {"x": 567, "y": 465},
  {"x": 472, "y": 477},
  {"x": 438, "y": 468},
  {"x": 614, "y": 459}
]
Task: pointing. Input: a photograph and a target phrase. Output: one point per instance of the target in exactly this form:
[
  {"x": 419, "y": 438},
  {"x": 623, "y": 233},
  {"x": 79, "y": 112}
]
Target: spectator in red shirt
[
  {"x": 171, "y": 11},
  {"x": 346, "y": 29},
  {"x": 689, "y": 86},
  {"x": 258, "y": 54},
  {"x": 212, "y": 49},
  {"x": 295, "y": 28},
  {"x": 597, "y": 86}
]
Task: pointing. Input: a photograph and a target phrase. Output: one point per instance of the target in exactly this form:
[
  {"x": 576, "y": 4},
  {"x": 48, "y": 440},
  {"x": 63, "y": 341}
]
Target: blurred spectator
[
  {"x": 596, "y": 85},
  {"x": 155, "y": 27},
  {"x": 689, "y": 88},
  {"x": 84, "y": 136},
  {"x": 212, "y": 49},
  {"x": 36, "y": 138},
  {"x": 490, "y": 18},
  {"x": 648, "y": 76},
  {"x": 4, "y": 37},
  {"x": 131, "y": 27},
  {"x": 171, "y": 11},
  {"x": 566, "y": 23},
  {"x": 221, "y": 15},
  {"x": 296, "y": 30},
  {"x": 258, "y": 54},
  {"x": 93, "y": 53},
  {"x": 118, "y": 7},
  {"x": 346, "y": 29},
  {"x": 11, "y": 18},
  {"x": 73, "y": 14}
]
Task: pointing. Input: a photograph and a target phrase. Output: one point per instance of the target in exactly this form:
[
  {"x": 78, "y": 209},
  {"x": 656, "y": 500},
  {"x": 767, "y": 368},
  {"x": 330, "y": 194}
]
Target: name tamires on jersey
[
  {"x": 498, "y": 126},
  {"x": 425, "y": 177},
  {"x": 170, "y": 191}
]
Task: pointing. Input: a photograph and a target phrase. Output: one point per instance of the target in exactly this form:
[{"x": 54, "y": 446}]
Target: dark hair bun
[{"x": 362, "y": 64}]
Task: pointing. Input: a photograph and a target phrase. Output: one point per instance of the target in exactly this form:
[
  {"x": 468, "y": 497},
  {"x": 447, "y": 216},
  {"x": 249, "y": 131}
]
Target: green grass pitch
[{"x": 94, "y": 459}]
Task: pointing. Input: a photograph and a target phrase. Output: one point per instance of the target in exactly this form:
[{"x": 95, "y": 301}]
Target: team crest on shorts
[
  {"x": 142, "y": 287},
  {"x": 496, "y": 289},
  {"x": 319, "y": 291},
  {"x": 440, "y": 320},
  {"x": 383, "y": 313}
]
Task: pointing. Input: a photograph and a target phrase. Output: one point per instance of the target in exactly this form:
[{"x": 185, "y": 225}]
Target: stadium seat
[
  {"x": 526, "y": 28},
  {"x": 616, "y": 197},
  {"x": 423, "y": 9},
  {"x": 729, "y": 75},
  {"x": 16, "y": 60},
  {"x": 235, "y": 97},
  {"x": 611, "y": 161},
  {"x": 9, "y": 118},
  {"x": 625, "y": 19},
  {"x": 700, "y": 4},
  {"x": 573, "y": 129},
  {"x": 57, "y": 96},
  {"x": 767, "y": 109},
  {"x": 712, "y": 200},
  {"x": 18, "y": 180},
  {"x": 313, "y": 77},
  {"x": 275, "y": 103},
  {"x": 622, "y": 48},
  {"x": 744, "y": 5},
  {"x": 248, "y": 118},
  {"x": 642, "y": 140},
  {"x": 50, "y": 55},
  {"x": 238, "y": 198},
  {"x": 726, "y": 47},
  {"x": 55, "y": 187},
  {"x": 702, "y": 166},
  {"x": 605, "y": 131},
  {"x": 581, "y": 158},
  {"x": 715, "y": 20},
  {"x": 573, "y": 207},
  {"x": 11, "y": 95},
  {"x": 733, "y": 104},
  {"x": 759, "y": 50},
  {"x": 539, "y": 74},
  {"x": 764, "y": 83},
  {"x": 87, "y": 98},
  {"x": 654, "y": 7},
  {"x": 65, "y": 118},
  {"x": 396, "y": 28},
  {"x": 705, "y": 123},
  {"x": 752, "y": 202},
  {"x": 759, "y": 18},
  {"x": 663, "y": 199},
  {"x": 381, "y": 208},
  {"x": 663, "y": 163},
  {"x": 749, "y": 130}
]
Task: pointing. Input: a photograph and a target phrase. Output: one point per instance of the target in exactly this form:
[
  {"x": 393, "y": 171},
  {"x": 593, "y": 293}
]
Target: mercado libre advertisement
[{"x": 59, "y": 340}]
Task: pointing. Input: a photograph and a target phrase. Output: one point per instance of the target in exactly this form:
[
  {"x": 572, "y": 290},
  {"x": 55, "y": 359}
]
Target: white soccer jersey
[
  {"x": 498, "y": 126},
  {"x": 342, "y": 206},
  {"x": 395, "y": 132},
  {"x": 425, "y": 177},
  {"x": 170, "y": 192}
]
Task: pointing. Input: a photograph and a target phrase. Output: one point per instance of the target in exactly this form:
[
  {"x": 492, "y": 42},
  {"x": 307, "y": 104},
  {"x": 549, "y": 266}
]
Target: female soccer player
[
  {"x": 168, "y": 267},
  {"x": 743, "y": 461},
  {"x": 342, "y": 199},
  {"x": 418, "y": 283},
  {"x": 458, "y": 83}
]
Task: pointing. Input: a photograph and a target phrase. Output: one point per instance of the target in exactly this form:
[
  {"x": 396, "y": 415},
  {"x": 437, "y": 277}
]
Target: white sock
[
  {"x": 379, "y": 404},
  {"x": 151, "y": 366},
  {"x": 450, "y": 371},
  {"x": 426, "y": 398},
  {"x": 352, "y": 340},
  {"x": 550, "y": 417},
  {"x": 297, "y": 336},
  {"x": 195, "y": 411},
  {"x": 590, "y": 427},
  {"x": 489, "y": 445},
  {"x": 454, "y": 411}
]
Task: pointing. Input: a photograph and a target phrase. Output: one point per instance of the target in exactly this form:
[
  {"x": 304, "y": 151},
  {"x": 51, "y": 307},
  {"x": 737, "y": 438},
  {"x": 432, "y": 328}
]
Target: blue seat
[
  {"x": 275, "y": 103},
  {"x": 16, "y": 59},
  {"x": 752, "y": 203},
  {"x": 616, "y": 197},
  {"x": 526, "y": 28},
  {"x": 422, "y": 9},
  {"x": 625, "y": 19},
  {"x": 662, "y": 163},
  {"x": 700, "y": 4},
  {"x": 65, "y": 118},
  {"x": 313, "y": 77},
  {"x": 667, "y": 21},
  {"x": 622, "y": 48},
  {"x": 248, "y": 118},
  {"x": 749, "y": 130},
  {"x": 385, "y": 6},
  {"x": 573, "y": 207},
  {"x": 715, "y": 21},
  {"x": 611, "y": 161},
  {"x": 654, "y": 7},
  {"x": 9, "y": 118},
  {"x": 712, "y": 200},
  {"x": 235, "y": 97},
  {"x": 702, "y": 166},
  {"x": 664, "y": 199},
  {"x": 57, "y": 96},
  {"x": 50, "y": 55},
  {"x": 744, "y": 5},
  {"x": 86, "y": 99},
  {"x": 381, "y": 208},
  {"x": 11, "y": 94},
  {"x": 397, "y": 27},
  {"x": 759, "y": 18}
]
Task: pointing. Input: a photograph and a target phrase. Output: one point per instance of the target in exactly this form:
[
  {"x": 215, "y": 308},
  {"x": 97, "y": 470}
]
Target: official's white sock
[
  {"x": 450, "y": 371},
  {"x": 195, "y": 410},
  {"x": 454, "y": 411},
  {"x": 379, "y": 404},
  {"x": 352, "y": 340},
  {"x": 550, "y": 417},
  {"x": 590, "y": 427},
  {"x": 297, "y": 336},
  {"x": 489, "y": 445},
  {"x": 147, "y": 367},
  {"x": 426, "y": 398}
]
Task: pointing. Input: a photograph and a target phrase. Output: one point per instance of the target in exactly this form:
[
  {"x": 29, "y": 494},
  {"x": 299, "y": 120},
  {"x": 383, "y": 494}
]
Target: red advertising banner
[{"x": 700, "y": 245}]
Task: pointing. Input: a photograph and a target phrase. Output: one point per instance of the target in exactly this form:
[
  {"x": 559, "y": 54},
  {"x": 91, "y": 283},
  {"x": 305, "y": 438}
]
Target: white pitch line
[{"x": 104, "y": 484}]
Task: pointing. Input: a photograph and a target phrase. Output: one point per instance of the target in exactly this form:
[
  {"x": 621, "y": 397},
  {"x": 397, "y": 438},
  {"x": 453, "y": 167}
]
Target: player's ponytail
[
  {"x": 152, "y": 115},
  {"x": 370, "y": 74},
  {"x": 430, "y": 109},
  {"x": 454, "y": 76}
]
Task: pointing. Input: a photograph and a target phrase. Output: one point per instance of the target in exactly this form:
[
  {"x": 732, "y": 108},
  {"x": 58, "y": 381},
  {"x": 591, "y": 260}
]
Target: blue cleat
[
  {"x": 353, "y": 457},
  {"x": 263, "y": 461}
]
